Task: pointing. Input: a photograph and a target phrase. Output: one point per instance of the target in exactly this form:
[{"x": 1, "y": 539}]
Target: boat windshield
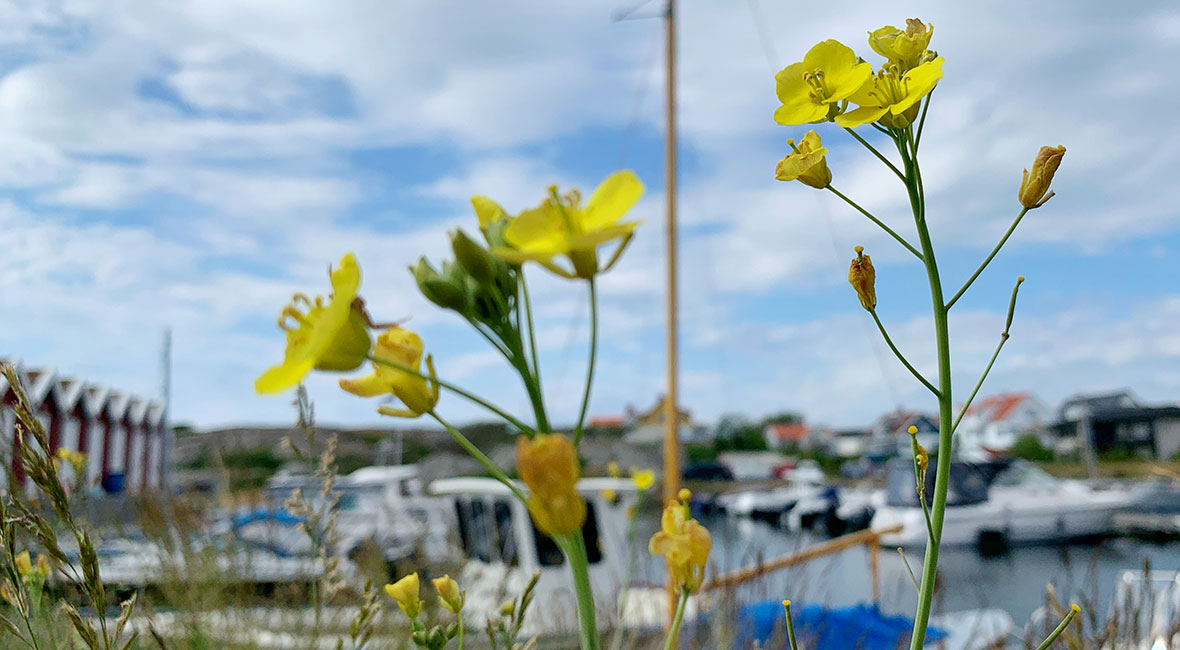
[
  {"x": 1024, "y": 474},
  {"x": 968, "y": 483}
]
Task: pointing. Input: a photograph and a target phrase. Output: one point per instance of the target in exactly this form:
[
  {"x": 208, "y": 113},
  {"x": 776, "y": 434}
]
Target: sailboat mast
[{"x": 671, "y": 415}]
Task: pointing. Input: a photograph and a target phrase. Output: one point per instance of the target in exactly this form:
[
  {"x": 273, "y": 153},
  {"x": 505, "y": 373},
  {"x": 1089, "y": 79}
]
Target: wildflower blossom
[
  {"x": 449, "y": 594},
  {"x": 902, "y": 47},
  {"x": 812, "y": 89},
  {"x": 548, "y": 464},
  {"x": 405, "y": 592},
  {"x": 562, "y": 226},
  {"x": 892, "y": 97},
  {"x": 684, "y": 543},
  {"x": 324, "y": 335},
  {"x": 805, "y": 163},
  {"x": 400, "y": 347}
]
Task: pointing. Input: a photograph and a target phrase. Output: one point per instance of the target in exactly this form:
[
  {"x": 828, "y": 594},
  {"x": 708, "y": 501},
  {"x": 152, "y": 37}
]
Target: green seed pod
[{"x": 475, "y": 259}]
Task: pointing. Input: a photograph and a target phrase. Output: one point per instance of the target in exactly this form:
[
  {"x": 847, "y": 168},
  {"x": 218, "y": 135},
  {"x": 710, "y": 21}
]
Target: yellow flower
[
  {"x": 903, "y": 47},
  {"x": 449, "y": 593},
  {"x": 612, "y": 470},
  {"x": 685, "y": 545},
  {"x": 42, "y": 565},
  {"x": 805, "y": 163},
  {"x": 562, "y": 226},
  {"x": 404, "y": 348},
  {"x": 1034, "y": 185},
  {"x": 892, "y": 98},
  {"x": 863, "y": 277},
  {"x": 332, "y": 336},
  {"x": 812, "y": 89},
  {"x": 24, "y": 564},
  {"x": 548, "y": 464},
  {"x": 405, "y": 592},
  {"x": 643, "y": 479}
]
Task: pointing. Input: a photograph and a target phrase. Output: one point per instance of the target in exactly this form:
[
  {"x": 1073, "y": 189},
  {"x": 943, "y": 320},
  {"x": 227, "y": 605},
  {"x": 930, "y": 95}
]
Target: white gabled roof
[
  {"x": 40, "y": 382},
  {"x": 138, "y": 409},
  {"x": 69, "y": 390}
]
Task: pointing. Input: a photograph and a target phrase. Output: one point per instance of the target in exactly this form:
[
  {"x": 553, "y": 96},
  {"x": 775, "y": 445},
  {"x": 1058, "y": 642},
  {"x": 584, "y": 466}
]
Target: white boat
[
  {"x": 504, "y": 549},
  {"x": 383, "y": 507},
  {"x": 998, "y": 503}
]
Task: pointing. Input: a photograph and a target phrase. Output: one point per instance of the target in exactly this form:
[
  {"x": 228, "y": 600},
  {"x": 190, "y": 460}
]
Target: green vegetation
[{"x": 1029, "y": 447}]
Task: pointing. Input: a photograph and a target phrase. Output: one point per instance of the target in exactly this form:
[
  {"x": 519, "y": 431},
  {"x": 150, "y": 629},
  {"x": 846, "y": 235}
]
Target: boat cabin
[
  {"x": 503, "y": 548},
  {"x": 969, "y": 482}
]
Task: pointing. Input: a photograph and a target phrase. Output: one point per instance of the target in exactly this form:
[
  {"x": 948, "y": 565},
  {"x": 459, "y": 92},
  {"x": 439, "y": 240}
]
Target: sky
[{"x": 191, "y": 164}]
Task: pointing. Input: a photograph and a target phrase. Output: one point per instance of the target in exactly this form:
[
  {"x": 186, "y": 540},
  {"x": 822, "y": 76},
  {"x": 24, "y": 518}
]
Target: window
[
  {"x": 474, "y": 528},
  {"x": 506, "y": 540},
  {"x": 548, "y": 554}
]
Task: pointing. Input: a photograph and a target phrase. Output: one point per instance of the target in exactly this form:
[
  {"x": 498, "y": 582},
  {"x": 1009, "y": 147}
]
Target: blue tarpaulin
[{"x": 862, "y": 627}]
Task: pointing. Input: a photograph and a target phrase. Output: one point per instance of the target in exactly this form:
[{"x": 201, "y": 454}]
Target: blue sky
[{"x": 192, "y": 164}]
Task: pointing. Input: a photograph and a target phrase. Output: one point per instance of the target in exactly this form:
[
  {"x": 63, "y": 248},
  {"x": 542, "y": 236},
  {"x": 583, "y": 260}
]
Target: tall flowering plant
[
  {"x": 484, "y": 285},
  {"x": 834, "y": 87}
]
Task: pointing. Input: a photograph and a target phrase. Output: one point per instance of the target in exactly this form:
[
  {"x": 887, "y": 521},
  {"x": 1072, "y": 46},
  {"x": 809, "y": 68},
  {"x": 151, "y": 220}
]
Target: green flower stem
[
  {"x": 458, "y": 391},
  {"x": 677, "y": 619},
  {"x": 628, "y": 567},
  {"x": 942, "y": 337},
  {"x": 876, "y": 153},
  {"x": 1073, "y": 611},
  {"x": 574, "y": 547},
  {"x": 459, "y": 622},
  {"x": 1003, "y": 340},
  {"x": 920, "y": 485},
  {"x": 922, "y": 123},
  {"x": 987, "y": 261},
  {"x": 906, "y": 562},
  {"x": 590, "y": 363},
  {"x": 535, "y": 393},
  {"x": 481, "y": 457},
  {"x": 900, "y": 356},
  {"x": 901, "y": 240},
  {"x": 790, "y": 625}
]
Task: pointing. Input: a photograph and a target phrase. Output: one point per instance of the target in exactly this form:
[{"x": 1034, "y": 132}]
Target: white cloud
[{"x": 276, "y": 98}]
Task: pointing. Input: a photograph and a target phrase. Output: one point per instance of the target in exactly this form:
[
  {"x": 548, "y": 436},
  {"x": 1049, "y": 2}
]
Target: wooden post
[
  {"x": 874, "y": 547},
  {"x": 671, "y": 415}
]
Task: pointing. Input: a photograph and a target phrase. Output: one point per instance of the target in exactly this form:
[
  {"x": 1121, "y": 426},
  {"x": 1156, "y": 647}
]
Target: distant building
[
  {"x": 647, "y": 427},
  {"x": 890, "y": 432},
  {"x": 122, "y": 436},
  {"x": 797, "y": 435},
  {"x": 849, "y": 443},
  {"x": 1117, "y": 423},
  {"x": 792, "y": 434},
  {"x": 992, "y": 424}
]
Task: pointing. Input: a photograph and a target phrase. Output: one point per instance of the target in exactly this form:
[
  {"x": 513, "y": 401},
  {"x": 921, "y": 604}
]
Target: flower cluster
[{"x": 405, "y": 593}]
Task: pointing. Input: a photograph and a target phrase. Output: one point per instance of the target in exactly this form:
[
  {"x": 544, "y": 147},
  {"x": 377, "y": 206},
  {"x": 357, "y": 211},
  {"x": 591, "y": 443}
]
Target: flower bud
[
  {"x": 24, "y": 564},
  {"x": 508, "y": 608},
  {"x": 435, "y": 288},
  {"x": 449, "y": 593},
  {"x": 863, "y": 278},
  {"x": 1034, "y": 187},
  {"x": 405, "y": 592},
  {"x": 475, "y": 259},
  {"x": 548, "y": 464}
]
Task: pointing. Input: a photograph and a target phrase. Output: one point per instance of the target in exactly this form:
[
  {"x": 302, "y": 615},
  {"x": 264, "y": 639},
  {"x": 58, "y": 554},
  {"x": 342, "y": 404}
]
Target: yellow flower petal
[
  {"x": 611, "y": 200},
  {"x": 487, "y": 210}
]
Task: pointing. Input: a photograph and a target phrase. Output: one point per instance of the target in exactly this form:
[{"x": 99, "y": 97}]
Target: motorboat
[
  {"x": 503, "y": 550},
  {"x": 994, "y": 504}
]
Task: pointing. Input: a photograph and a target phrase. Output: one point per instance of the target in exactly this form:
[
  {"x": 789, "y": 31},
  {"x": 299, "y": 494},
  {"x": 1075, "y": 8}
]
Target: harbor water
[{"x": 1014, "y": 582}]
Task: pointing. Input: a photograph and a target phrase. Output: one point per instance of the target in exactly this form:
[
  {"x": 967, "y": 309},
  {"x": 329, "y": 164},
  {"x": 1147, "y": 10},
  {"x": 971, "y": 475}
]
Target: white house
[
  {"x": 994, "y": 423},
  {"x": 122, "y": 436}
]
